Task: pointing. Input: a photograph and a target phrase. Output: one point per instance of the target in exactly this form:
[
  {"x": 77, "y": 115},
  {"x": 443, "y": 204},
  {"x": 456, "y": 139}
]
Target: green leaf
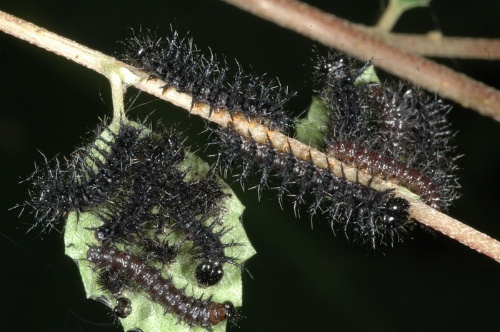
[
  {"x": 311, "y": 129},
  {"x": 369, "y": 75}
]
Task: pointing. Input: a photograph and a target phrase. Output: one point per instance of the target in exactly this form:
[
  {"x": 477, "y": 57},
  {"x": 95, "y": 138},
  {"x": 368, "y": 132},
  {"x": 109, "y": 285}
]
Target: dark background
[{"x": 302, "y": 278}]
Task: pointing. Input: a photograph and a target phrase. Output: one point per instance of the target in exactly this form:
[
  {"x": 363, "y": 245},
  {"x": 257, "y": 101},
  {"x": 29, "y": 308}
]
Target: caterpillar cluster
[
  {"x": 207, "y": 78},
  {"x": 138, "y": 273},
  {"x": 397, "y": 132},
  {"x": 129, "y": 177}
]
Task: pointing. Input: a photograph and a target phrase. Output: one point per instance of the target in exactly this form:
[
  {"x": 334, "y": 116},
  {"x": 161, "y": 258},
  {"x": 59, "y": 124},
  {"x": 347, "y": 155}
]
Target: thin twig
[
  {"x": 363, "y": 44},
  {"x": 434, "y": 44},
  {"x": 109, "y": 66},
  {"x": 59, "y": 45}
]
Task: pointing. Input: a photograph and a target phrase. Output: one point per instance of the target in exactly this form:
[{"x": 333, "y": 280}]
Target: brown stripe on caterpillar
[
  {"x": 188, "y": 309},
  {"x": 377, "y": 164}
]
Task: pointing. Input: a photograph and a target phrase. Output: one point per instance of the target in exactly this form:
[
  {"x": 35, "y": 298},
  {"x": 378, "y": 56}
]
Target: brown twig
[
  {"x": 112, "y": 69},
  {"x": 59, "y": 45},
  {"x": 435, "y": 44},
  {"x": 367, "y": 45}
]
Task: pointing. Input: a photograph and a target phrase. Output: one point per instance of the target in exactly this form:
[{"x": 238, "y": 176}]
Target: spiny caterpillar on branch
[
  {"x": 397, "y": 132},
  {"x": 208, "y": 78},
  {"x": 357, "y": 209}
]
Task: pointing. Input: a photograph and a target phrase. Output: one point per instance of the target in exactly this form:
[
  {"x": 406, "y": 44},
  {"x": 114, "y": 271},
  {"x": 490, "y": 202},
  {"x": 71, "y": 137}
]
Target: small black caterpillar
[
  {"x": 159, "y": 250},
  {"x": 91, "y": 175},
  {"x": 190, "y": 310},
  {"x": 208, "y": 78},
  {"x": 186, "y": 205},
  {"x": 153, "y": 158}
]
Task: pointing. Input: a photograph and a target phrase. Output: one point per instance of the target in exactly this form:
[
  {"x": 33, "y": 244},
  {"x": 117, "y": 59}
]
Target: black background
[{"x": 302, "y": 278}]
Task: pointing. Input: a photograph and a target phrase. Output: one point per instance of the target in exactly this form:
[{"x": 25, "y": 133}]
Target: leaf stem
[{"x": 394, "y": 10}]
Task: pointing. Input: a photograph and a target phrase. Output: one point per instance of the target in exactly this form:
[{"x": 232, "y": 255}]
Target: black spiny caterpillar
[
  {"x": 207, "y": 78},
  {"x": 91, "y": 175},
  {"x": 366, "y": 213}
]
